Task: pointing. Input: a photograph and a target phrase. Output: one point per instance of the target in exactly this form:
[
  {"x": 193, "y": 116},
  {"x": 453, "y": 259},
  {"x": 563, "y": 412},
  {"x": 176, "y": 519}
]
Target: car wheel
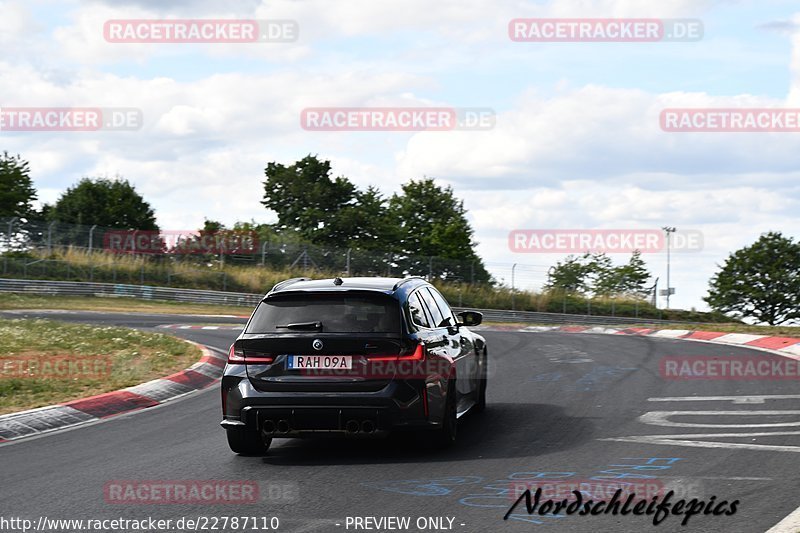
[
  {"x": 480, "y": 404},
  {"x": 245, "y": 441},
  {"x": 446, "y": 435}
]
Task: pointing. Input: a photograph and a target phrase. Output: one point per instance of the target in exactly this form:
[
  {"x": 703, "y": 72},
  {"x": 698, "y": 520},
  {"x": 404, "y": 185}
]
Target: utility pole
[{"x": 669, "y": 231}]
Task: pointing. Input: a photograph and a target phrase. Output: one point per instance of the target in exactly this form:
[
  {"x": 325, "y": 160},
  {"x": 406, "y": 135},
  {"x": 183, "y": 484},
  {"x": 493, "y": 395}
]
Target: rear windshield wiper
[{"x": 302, "y": 325}]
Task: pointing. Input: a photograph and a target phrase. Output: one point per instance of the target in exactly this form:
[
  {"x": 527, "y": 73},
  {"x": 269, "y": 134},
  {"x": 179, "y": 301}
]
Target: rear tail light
[
  {"x": 417, "y": 355},
  {"x": 236, "y": 357}
]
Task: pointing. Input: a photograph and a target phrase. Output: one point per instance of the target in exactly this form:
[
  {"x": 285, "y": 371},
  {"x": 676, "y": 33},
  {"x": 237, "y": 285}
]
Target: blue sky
[{"x": 576, "y": 145}]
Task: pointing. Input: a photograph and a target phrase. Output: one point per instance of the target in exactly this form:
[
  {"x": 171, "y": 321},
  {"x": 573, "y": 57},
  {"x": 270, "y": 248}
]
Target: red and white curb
[
  {"x": 72, "y": 413},
  {"x": 784, "y": 346}
]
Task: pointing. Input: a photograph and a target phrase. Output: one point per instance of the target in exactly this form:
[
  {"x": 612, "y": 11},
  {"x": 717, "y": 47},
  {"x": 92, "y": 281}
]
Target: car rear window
[{"x": 338, "y": 313}]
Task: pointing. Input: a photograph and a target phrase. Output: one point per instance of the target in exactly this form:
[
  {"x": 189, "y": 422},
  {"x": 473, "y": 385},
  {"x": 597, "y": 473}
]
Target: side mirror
[{"x": 470, "y": 318}]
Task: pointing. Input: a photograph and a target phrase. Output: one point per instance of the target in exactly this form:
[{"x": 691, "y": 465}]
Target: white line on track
[{"x": 733, "y": 399}]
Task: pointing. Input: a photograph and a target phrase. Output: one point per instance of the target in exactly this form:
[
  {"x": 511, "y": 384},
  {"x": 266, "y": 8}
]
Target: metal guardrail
[
  {"x": 121, "y": 290},
  {"x": 146, "y": 292}
]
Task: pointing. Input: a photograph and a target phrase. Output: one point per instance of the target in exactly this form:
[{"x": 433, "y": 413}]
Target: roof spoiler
[
  {"x": 405, "y": 280},
  {"x": 285, "y": 283}
]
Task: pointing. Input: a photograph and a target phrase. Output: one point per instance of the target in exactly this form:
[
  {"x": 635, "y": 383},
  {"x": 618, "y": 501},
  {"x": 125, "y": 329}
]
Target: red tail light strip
[
  {"x": 237, "y": 357},
  {"x": 418, "y": 355}
]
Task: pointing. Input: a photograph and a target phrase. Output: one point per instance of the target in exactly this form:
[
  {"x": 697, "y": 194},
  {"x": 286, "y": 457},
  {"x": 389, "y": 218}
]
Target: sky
[{"x": 575, "y": 144}]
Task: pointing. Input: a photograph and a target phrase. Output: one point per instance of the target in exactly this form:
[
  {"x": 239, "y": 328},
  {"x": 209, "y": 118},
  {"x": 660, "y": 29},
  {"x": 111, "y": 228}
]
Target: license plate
[{"x": 324, "y": 362}]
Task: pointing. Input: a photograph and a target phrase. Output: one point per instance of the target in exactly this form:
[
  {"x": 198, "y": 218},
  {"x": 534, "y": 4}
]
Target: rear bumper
[{"x": 399, "y": 405}]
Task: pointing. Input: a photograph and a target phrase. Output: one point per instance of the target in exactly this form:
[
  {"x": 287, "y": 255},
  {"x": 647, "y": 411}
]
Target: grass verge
[
  {"x": 43, "y": 362},
  {"x": 10, "y": 301}
]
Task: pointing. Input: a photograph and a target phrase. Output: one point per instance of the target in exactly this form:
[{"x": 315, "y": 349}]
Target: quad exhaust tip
[
  {"x": 352, "y": 426},
  {"x": 367, "y": 426},
  {"x": 283, "y": 426},
  {"x": 268, "y": 426}
]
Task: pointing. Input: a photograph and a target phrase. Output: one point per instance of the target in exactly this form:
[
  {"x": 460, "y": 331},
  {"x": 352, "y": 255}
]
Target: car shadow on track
[{"x": 502, "y": 431}]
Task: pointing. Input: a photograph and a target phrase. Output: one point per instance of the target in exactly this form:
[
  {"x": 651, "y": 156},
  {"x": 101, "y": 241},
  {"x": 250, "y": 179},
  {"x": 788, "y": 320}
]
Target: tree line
[{"x": 760, "y": 282}]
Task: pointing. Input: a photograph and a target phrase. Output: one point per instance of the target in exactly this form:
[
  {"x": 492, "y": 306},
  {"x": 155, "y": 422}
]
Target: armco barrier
[
  {"x": 146, "y": 292},
  {"x": 120, "y": 290}
]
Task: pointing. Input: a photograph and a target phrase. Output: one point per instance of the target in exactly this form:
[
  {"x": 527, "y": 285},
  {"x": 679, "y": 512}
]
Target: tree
[
  {"x": 324, "y": 211},
  {"x": 106, "y": 203},
  {"x": 596, "y": 273},
  {"x": 431, "y": 221},
  {"x": 628, "y": 279},
  {"x": 571, "y": 275},
  {"x": 760, "y": 281},
  {"x": 16, "y": 187}
]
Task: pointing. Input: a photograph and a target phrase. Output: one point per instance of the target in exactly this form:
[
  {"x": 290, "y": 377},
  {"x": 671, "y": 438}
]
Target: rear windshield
[{"x": 338, "y": 313}]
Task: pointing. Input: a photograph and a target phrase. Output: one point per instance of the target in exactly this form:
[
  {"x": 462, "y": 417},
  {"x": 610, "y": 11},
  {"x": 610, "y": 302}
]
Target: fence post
[
  {"x": 348, "y": 261},
  {"x": 430, "y": 268},
  {"x": 50, "y": 237},
  {"x": 141, "y": 274},
  {"x": 588, "y": 306},
  {"x": 513, "y": 302},
  {"x": 224, "y": 281},
  {"x": 264, "y": 252},
  {"x": 91, "y": 237},
  {"x": 10, "y": 231}
]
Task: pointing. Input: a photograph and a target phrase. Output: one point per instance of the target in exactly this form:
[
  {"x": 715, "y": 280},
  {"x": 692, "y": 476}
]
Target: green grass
[
  {"x": 78, "y": 265},
  {"x": 134, "y": 356},
  {"x": 10, "y": 301}
]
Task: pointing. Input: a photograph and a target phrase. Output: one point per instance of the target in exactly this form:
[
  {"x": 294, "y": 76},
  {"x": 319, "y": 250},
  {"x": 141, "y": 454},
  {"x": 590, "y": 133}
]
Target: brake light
[
  {"x": 417, "y": 355},
  {"x": 236, "y": 357}
]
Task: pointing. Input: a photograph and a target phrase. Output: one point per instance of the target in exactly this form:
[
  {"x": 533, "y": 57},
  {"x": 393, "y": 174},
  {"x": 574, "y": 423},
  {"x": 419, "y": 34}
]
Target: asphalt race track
[{"x": 555, "y": 402}]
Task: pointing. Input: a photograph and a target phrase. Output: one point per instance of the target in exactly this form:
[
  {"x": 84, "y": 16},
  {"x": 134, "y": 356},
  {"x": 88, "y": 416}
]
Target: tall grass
[{"x": 81, "y": 265}]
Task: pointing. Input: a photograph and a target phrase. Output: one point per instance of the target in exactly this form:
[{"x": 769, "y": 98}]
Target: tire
[
  {"x": 246, "y": 441},
  {"x": 446, "y": 435},
  {"x": 480, "y": 403}
]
